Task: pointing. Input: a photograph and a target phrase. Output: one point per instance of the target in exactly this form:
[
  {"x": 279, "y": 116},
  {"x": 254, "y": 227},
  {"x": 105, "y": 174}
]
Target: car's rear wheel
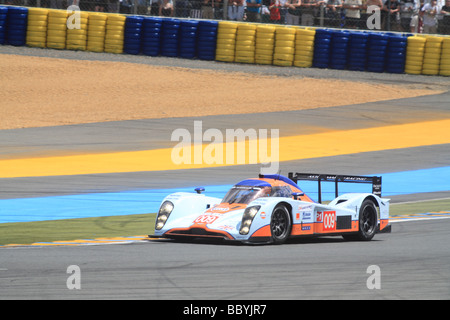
[
  {"x": 280, "y": 224},
  {"x": 368, "y": 222}
]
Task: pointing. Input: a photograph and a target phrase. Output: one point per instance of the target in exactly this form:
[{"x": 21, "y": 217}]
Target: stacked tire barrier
[
  {"x": 133, "y": 34},
  {"x": 322, "y": 48},
  {"x": 396, "y": 54},
  {"x": 339, "y": 49},
  {"x": 245, "y": 43},
  {"x": 96, "y": 32},
  {"x": 77, "y": 33},
  {"x": 188, "y": 39},
  {"x": 376, "y": 53},
  {"x": 115, "y": 32},
  {"x": 57, "y": 29},
  {"x": 16, "y": 26},
  {"x": 226, "y": 41},
  {"x": 432, "y": 56},
  {"x": 3, "y": 18},
  {"x": 37, "y": 27},
  {"x": 415, "y": 51},
  {"x": 304, "y": 48},
  {"x": 265, "y": 43},
  {"x": 444, "y": 69},
  {"x": 284, "y": 46},
  {"x": 169, "y": 37},
  {"x": 357, "y": 51},
  {"x": 151, "y": 36},
  {"x": 207, "y": 39}
]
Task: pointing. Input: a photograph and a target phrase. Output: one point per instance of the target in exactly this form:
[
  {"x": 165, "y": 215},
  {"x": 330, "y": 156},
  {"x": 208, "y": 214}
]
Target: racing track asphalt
[
  {"x": 413, "y": 259},
  {"x": 413, "y": 262}
]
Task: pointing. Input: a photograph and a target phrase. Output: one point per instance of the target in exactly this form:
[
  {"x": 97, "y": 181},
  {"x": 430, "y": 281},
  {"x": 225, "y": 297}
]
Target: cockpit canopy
[{"x": 249, "y": 190}]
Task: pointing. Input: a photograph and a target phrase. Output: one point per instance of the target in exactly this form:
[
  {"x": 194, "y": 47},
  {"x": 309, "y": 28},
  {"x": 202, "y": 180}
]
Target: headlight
[
  {"x": 247, "y": 219},
  {"x": 163, "y": 214}
]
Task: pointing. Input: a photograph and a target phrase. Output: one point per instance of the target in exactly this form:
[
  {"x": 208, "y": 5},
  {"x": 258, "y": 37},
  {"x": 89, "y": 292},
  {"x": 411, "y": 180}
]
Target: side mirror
[
  {"x": 199, "y": 190},
  {"x": 298, "y": 194}
]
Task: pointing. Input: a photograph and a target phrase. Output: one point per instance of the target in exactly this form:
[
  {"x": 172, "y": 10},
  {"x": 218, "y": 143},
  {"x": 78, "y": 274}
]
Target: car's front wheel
[{"x": 280, "y": 224}]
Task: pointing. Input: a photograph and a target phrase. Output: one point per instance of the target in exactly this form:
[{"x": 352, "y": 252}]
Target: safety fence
[{"x": 226, "y": 41}]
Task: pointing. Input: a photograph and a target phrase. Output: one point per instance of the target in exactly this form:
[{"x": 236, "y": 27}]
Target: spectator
[
  {"x": 166, "y": 8},
  {"x": 254, "y": 10},
  {"x": 196, "y": 9},
  {"x": 445, "y": 10},
  {"x": 154, "y": 7},
  {"x": 391, "y": 15},
  {"x": 181, "y": 8},
  {"x": 407, "y": 9},
  {"x": 430, "y": 11},
  {"x": 236, "y": 10},
  {"x": 218, "y": 9},
  {"x": 353, "y": 13},
  {"x": 274, "y": 8},
  {"x": 308, "y": 11},
  {"x": 293, "y": 11},
  {"x": 207, "y": 9},
  {"x": 333, "y": 12},
  {"x": 100, "y": 5},
  {"x": 142, "y": 7},
  {"x": 445, "y": 22}
]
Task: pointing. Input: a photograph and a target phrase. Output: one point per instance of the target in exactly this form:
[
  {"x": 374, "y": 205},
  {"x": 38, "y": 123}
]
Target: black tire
[
  {"x": 368, "y": 222},
  {"x": 280, "y": 224}
]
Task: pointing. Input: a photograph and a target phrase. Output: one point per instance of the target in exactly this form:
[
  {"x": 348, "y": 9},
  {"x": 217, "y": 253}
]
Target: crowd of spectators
[{"x": 425, "y": 16}]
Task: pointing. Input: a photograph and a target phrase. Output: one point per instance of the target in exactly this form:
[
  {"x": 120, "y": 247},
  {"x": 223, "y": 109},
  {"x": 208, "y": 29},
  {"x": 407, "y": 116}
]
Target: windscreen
[{"x": 245, "y": 194}]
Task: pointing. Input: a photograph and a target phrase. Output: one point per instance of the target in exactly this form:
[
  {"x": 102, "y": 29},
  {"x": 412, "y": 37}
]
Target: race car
[{"x": 273, "y": 209}]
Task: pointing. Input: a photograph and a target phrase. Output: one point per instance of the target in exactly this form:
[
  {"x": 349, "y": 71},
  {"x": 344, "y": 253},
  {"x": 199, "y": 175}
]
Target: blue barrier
[
  {"x": 376, "y": 53},
  {"x": 322, "y": 48},
  {"x": 357, "y": 51},
  {"x": 339, "y": 49},
  {"x": 16, "y": 26},
  {"x": 151, "y": 36},
  {"x": 207, "y": 39},
  {"x": 396, "y": 54},
  {"x": 188, "y": 39},
  {"x": 133, "y": 33},
  {"x": 3, "y": 18},
  {"x": 169, "y": 37}
]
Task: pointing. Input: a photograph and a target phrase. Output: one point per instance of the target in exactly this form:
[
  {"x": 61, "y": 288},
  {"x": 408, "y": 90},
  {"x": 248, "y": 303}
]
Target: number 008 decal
[{"x": 206, "y": 219}]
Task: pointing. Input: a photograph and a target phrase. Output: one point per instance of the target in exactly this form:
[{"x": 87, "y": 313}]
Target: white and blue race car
[{"x": 272, "y": 209}]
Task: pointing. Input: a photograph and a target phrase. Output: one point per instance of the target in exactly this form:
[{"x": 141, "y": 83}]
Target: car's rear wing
[{"x": 374, "y": 180}]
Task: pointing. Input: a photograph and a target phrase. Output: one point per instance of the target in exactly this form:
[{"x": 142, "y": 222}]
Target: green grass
[
  {"x": 134, "y": 225},
  {"x": 420, "y": 207},
  {"x": 72, "y": 229}
]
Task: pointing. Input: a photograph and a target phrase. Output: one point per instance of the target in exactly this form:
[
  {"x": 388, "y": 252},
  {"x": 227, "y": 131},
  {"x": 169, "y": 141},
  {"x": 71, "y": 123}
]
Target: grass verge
[{"x": 72, "y": 229}]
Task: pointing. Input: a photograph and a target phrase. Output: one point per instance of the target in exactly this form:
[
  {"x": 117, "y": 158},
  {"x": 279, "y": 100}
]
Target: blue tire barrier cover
[
  {"x": 151, "y": 36},
  {"x": 207, "y": 39},
  {"x": 16, "y": 26},
  {"x": 376, "y": 53},
  {"x": 322, "y": 48},
  {"x": 133, "y": 34},
  {"x": 3, "y": 18},
  {"x": 188, "y": 39},
  {"x": 396, "y": 54},
  {"x": 339, "y": 49},
  {"x": 169, "y": 37}
]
